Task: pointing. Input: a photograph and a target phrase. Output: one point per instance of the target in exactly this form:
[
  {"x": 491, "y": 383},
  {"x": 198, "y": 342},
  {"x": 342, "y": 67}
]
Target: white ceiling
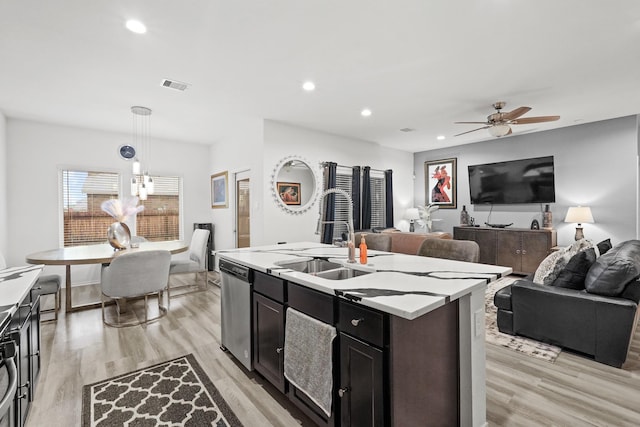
[{"x": 420, "y": 64}]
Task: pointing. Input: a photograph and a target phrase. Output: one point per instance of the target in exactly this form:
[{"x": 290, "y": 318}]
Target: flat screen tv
[{"x": 513, "y": 182}]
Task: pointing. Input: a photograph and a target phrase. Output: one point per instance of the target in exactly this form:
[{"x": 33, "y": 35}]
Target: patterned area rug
[
  {"x": 173, "y": 393},
  {"x": 523, "y": 345}
]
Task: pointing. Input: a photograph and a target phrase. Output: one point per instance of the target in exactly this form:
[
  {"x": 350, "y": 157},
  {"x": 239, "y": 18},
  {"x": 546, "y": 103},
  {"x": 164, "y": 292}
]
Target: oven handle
[{"x": 7, "y": 400}]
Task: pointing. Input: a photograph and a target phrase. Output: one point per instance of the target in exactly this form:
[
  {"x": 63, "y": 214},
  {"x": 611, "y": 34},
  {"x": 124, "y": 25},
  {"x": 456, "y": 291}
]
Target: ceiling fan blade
[
  {"x": 514, "y": 114},
  {"x": 470, "y": 123},
  {"x": 469, "y": 131},
  {"x": 529, "y": 120}
]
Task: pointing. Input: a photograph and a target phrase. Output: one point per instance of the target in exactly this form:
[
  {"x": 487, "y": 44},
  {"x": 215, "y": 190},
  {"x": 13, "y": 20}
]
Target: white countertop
[
  {"x": 15, "y": 284},
  {"x": 403, "y": 285}
]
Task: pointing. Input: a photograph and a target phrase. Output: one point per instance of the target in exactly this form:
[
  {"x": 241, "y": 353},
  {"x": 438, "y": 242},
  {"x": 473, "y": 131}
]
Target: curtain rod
[{"x": 349, "y": 167}]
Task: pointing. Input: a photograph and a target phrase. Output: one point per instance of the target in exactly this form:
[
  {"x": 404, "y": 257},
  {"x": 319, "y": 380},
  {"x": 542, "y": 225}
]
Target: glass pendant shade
[
  {"x": 136, "y": 167},
  {"x": 142, "y": 192},
  {"x": 150, "y": 186},
  {"x": 134, "y": 186}
]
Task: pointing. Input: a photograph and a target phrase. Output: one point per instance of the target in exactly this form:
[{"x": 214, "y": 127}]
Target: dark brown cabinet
[
  {"x": 363, "y": 377},
  {"x": 268, "y": 328},
  {"x": 520, "y": 249},
  {"x": 25, "y": 332}
]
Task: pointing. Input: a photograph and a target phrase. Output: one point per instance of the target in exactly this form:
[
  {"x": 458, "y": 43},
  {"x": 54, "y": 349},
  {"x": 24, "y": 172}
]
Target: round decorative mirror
[{"x": 294, "y": 184}]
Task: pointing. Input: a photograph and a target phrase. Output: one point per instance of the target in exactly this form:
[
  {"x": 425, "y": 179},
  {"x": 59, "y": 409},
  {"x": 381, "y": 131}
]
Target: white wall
[
  {"x": 240, "y": 150},
  {"x": 37, "y": 150},
  {"x": 281, "y": 140},
  {"x": 596, "y": 165},
  {"x": 4, "y": 242}
]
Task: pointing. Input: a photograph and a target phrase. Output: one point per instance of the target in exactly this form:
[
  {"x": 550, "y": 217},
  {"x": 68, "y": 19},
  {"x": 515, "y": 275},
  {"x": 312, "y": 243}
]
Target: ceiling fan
[{"x": 499, "y": 123}]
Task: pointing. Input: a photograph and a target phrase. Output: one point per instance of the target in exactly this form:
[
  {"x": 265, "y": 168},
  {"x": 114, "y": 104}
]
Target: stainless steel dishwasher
[{"x": 235, "y": 308}]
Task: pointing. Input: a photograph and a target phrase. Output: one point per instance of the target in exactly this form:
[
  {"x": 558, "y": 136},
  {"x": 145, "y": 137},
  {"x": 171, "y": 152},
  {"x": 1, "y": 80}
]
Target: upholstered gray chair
[
  {"x": 49, "y": 284},
  {"x": 375, "y": 241},
  {"x": 135, "y": 274},
  {"x": 459, "y": 250},
  {"x": 197, "y": 262}
]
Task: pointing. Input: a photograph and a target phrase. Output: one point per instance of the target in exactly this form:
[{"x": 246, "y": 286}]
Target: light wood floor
[{"x": 521, "y": 390}]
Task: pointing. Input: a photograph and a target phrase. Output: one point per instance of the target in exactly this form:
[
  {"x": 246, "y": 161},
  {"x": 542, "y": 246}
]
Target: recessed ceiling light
[
  {"x": 440, "y": 137},
  {"x": 309, "y": 86},
  {"x": 365, "y": 113},
  {"x": 136, "y": 26}
]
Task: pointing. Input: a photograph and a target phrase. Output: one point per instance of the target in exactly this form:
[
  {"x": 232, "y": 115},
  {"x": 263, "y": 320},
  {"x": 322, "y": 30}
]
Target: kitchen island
[{"x": 411, "y": 347}]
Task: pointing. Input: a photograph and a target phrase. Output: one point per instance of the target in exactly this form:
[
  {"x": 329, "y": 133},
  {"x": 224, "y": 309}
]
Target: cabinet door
[
  {"x": 22, "y": 338},
  {"x": 361, "y": 392},
  {"x": 509, "y": 249},
  {"x": 268, "y": 340},
  {"x": 535, "y": 248},
  {"x": 486, "y": 239}
]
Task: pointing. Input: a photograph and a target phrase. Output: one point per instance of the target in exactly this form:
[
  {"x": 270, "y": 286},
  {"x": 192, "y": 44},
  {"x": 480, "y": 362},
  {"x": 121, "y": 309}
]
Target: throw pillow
[
  {"x": 574, "y": 273},
  {"x": 604, "y": 246},
  {"x": 555, "y": 262},
  {"x": 611, "y": 272}
]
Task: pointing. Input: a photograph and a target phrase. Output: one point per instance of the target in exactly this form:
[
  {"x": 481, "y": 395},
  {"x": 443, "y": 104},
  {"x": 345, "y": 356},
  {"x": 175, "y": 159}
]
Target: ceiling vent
[
  {"x": 407, "y": 130},
  {"x": 174, "y": 84}
]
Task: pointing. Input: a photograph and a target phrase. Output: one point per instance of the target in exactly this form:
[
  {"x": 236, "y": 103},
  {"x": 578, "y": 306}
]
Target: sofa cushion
[
  {"x": 554, "y": 263},
  {"x": 604, "y": 246},
  {"x": 610, "y": 274},
  {"x": 574, "y": 273}
]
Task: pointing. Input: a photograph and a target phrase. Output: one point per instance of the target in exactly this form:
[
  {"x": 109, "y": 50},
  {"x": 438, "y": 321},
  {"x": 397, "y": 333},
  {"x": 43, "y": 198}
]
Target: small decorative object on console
[
  {"x": 498, "y": 225},
  {"x": 535, "y": 225},
  {"x": 464, "y": 216},
  {"x": 547, "y": 218}
]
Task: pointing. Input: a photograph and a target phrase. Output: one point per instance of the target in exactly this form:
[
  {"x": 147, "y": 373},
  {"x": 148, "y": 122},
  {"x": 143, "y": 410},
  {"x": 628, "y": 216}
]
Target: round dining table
[{"x": 94, "y": 254}]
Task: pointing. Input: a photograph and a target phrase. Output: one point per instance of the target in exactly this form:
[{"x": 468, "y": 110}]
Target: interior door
[{"x": 243, "y": 211}]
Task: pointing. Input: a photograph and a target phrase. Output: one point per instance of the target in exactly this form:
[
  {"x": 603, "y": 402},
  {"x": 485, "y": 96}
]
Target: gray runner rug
[{"x": 173, "y": 393}]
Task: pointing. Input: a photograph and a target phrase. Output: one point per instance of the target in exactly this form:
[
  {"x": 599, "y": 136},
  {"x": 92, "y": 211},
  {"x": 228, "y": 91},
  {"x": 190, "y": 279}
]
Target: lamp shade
[
  {"x": 412, "y": 214},
  {"x": 579, "y": 214}
]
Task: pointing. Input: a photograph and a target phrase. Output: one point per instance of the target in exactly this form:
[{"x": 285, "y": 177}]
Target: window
[
  {"x": 160, "y": 219},
  {"x": 343, "y": 182},
  {"x": 83, "y": 192}
]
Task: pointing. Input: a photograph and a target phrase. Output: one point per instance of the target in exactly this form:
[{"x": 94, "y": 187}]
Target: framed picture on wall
[
  {"x": 440, "y": 178},
  {"x": 289, "y": 192},
  {"x": 220, "y": 190}
]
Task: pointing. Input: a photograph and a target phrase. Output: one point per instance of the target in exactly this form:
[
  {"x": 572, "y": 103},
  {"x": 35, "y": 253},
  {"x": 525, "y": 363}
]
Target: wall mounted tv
[{"x": 513, "y": 182}]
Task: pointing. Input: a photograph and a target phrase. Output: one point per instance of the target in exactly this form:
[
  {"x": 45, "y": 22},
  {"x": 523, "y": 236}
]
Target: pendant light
[{"x": 141, "y": 184}]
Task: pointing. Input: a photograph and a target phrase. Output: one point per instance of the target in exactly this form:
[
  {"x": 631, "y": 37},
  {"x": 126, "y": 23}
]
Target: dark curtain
[
  {"x": 330, "y": 206},
  {"x": 366, "y": 198},
  {"x": 388, "y": 191},
  {"x": 355, "y": 195}
]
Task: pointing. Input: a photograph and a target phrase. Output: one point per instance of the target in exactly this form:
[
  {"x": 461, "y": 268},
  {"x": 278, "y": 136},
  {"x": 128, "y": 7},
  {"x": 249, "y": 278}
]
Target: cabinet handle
[
  {"x": 24, "y": 385},
  {"x": 518, "y": 251},
  {"x": 30, "y": 305},
  {"x": 342, "y": 391},
  {"x": 356, "y": 322},
  {"x": 524, "y": 252},
  {"x": 279, "y": 350},
  {"x": 22, "y": 396}
]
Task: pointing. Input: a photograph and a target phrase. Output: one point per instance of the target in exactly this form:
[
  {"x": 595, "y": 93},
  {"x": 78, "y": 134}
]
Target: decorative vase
[
  {"x": 119, "y": 235},
  {"x": 547, "y": 218},
  {"x": 464, "y": 216}
]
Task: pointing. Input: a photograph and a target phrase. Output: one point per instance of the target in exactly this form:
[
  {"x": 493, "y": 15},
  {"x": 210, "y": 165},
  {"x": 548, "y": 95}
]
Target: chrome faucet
[{"x": 351, "y": 244}]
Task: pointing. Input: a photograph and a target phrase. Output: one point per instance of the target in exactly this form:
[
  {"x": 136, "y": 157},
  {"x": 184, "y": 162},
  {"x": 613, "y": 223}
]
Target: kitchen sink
[
  {"x": 313, "y": 266},
  {"x": 341, "y": 273}
]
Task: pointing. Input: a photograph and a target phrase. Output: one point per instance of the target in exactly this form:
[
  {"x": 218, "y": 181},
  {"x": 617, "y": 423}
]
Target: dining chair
[
  {"x": 196, "y": 264},
  {"x": 133, "y": 275},
  {"x": 459, "y": 250},
  {"x": 48, "y": 284}
]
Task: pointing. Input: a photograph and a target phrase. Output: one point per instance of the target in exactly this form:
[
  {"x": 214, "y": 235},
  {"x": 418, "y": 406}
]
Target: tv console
[{"x": 522, "y": 249}]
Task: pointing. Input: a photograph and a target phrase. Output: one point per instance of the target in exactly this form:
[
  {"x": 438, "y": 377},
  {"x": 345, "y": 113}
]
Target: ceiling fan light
[{"x": 499, "y": 130}]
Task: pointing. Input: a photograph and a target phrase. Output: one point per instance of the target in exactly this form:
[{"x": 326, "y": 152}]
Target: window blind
[
  {"x": 83, "y": 192},
  {"x": 160, "y": 219}
]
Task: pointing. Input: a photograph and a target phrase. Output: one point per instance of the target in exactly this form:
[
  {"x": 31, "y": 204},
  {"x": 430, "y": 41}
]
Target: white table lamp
[
  {"x": 579, "y": 215},
  {"x": 412, "y": 215}
]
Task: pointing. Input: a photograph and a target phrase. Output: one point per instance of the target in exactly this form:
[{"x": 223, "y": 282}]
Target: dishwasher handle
[{"x": 240, "y": 271}]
